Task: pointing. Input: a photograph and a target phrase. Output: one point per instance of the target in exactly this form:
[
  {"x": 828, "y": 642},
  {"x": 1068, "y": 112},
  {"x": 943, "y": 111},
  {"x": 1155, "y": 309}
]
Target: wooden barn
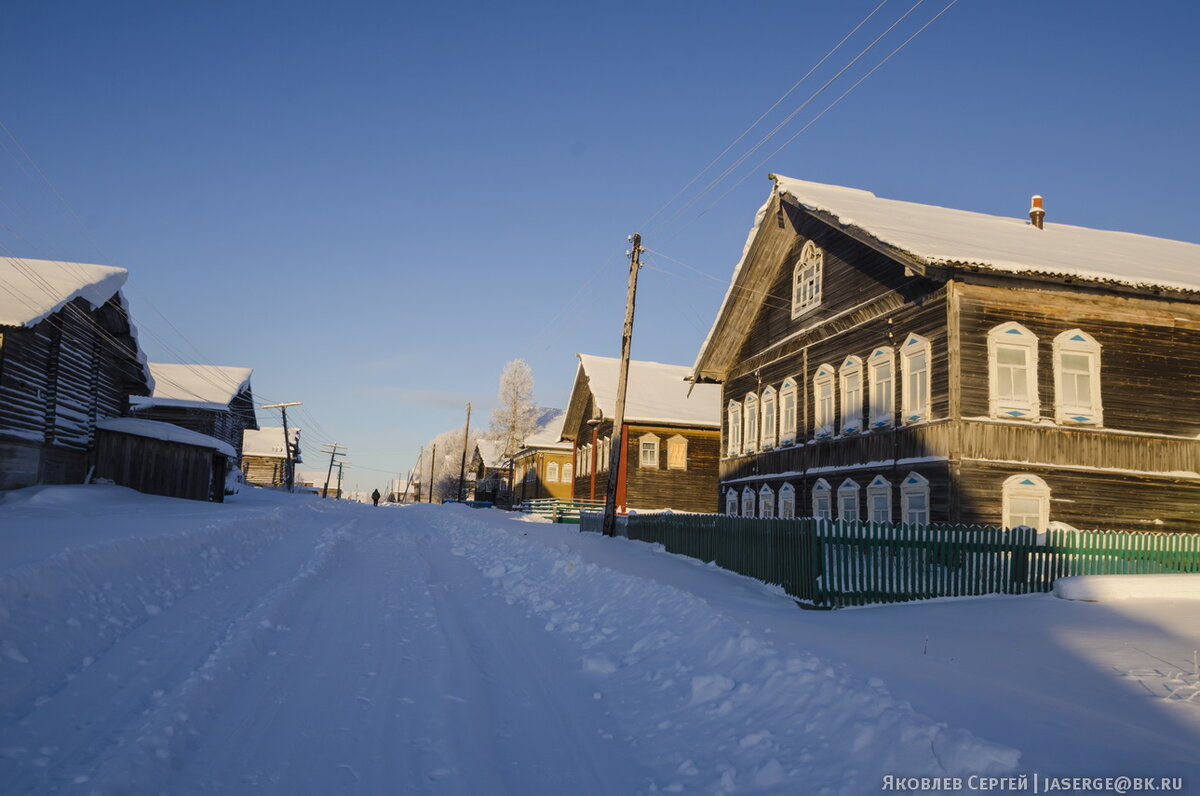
[
  {"x": 671, "y": 436},
  {"x": 162, "y": 459},
  {"x": 544, "y": 467},
  {"x": 208, "y": 399},
  {"x": 264, "y": 456},
  {"x": 890, "y": 361},
  {"x": 69, "y": 357}
]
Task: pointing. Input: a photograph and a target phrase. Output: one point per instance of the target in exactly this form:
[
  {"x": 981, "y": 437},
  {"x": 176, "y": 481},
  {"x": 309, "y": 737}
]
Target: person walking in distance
[{"x": 375, "y": 497}]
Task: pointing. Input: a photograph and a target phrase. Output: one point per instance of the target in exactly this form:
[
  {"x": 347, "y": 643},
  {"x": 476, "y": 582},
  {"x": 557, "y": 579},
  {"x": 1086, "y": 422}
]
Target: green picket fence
[
  {"x": 559, "y": 509},
  {"x": 836, "y": 564}
]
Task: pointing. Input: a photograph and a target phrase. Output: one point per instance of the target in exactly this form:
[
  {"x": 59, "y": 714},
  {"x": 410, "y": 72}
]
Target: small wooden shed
[{"x": 162, "y": 459}]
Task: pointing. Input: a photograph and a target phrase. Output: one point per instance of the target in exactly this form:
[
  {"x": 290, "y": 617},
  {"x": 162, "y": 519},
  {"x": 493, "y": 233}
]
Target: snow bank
[
  {"x": 718, "y": 707},
  {"x": 60, "y": 613},
  {"x": 1104, "y": 588}
]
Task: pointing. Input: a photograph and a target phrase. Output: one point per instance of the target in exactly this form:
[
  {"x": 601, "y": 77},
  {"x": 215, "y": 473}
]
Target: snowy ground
[{"x": 284, "y": 644}]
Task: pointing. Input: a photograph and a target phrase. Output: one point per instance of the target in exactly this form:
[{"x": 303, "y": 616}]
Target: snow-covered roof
[
  {"x": 549, "y": 430},
  {"x": 155, "y": 429},
  {"x": 195, "y": 386},
  {"x": 655, "y": 393},
  {"x": 267, "y": 441},
  {"x": 32, "y": 290},
  {"x": 490, "y": 451},
  {"x": 944, "y": 236}
]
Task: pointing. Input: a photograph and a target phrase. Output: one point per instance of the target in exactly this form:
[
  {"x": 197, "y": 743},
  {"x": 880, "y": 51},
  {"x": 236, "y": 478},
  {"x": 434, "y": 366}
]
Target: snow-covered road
[{"x": 285, "y": 645}]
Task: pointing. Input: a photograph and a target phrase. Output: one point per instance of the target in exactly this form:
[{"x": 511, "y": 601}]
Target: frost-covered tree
[{"x": 516, "y": 416}]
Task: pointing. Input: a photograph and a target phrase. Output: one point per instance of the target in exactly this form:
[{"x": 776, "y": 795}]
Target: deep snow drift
[{"x": 284, "y": 644}]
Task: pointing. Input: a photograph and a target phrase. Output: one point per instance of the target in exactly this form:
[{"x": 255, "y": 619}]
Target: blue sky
[{"x": 377, "y": 205}]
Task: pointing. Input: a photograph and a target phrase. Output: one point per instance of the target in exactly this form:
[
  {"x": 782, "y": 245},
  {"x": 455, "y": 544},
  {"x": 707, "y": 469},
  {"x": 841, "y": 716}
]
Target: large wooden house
[
  {"x": 889, "y": 361},
  {"x": 544, "y": 467},
  {"x": 671, "y": 436},
  {"x": 69, "y": 357},
  {"x": 209, "y": 399},
  {"x": 264, "y": 455}
]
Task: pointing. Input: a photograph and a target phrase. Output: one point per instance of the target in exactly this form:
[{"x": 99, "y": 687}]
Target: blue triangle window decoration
[
  {"x": 1015, "y": 413},
  {"x": 1078, "y": 419},
  {"x": 1027, "y": 482},
  {"x": 1013, "y": 331},
  {"x": 911, "y": 481},
  {"x": 1080, "y": 338},
  {"x": 911, "y": 341}
]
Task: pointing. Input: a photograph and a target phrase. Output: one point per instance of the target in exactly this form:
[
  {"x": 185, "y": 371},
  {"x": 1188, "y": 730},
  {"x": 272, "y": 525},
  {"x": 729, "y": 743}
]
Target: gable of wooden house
[
  {"x": 69, "y": 357},
  {"x": 209, "y": 399}
]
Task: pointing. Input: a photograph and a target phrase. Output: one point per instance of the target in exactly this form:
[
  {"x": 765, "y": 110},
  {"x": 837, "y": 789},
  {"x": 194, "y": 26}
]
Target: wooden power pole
[
  {"x": 462, "y": 466},
  {"x": 618, "y": 436},
  {"x": 333, "y": 454},
  {"x": 289, "y": 466},
  {"x": 432, "y": 471}
]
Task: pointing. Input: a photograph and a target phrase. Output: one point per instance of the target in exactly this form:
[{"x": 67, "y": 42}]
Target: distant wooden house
[
  {"x": 314, "y": 481},
  {"x": 162, "y": 459},
  {"x": 209, "y": 399},
  {"x": 671, "y": 436},
  {"x": 69, "y": 357},
  {"x": 489, "y": 472},
  {"x": 889, "y": 361},
  {"x": 544, "y": 467},
  {"x": 264, "y": 456}
]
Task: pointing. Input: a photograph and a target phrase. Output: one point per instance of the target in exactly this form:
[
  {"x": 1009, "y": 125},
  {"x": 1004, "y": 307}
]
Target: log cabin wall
[
  {"x": 160, "y": 467},
  {"x": 56, "y": 380},
  {"x": 264, "y": 470}
]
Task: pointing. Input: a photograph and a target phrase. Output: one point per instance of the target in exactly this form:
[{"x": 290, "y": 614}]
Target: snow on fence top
[
  {"x": 656, "y": 393},
  {"x": 32, "y": 290},
  {"x": 948, "y": 237},
  {"x": 194, "y": 386},
  {"x": 267, "y": 441},
  {"x": 154, "y": 429}
]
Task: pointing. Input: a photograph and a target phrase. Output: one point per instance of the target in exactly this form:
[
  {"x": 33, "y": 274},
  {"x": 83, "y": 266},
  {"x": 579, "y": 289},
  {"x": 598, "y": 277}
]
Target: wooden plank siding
[
  {"x": 161, "y": 467},
  {"x": 539, "y": 485},
  {"x": 56, "y": 380}
]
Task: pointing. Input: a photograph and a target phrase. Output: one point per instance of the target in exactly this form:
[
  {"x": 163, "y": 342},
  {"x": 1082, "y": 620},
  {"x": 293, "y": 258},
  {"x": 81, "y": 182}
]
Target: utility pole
[
  {"x": 432, "y": 471},
  {"x": 338, "y": 494},
  {"x": 462, "y": 466},
  {"x": 333, "y": 454},
  {"x": 618, "y": 437},
  {"x": 289, "y": 471}
]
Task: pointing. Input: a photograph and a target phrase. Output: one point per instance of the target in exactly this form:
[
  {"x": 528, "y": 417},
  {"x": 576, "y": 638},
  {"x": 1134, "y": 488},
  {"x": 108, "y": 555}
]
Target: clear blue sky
[{"x": 377, "y": 205}]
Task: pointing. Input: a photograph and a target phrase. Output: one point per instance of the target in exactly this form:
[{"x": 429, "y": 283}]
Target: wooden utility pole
[
  {"x": 333, "y": 454},
  {"x": 338, "y": 494},
  {"x": 462, "y": 466},
  {"x": 618, "y": 435},
  {"x": 289, "y": 467},
  {"x": 432, "y": 471}
]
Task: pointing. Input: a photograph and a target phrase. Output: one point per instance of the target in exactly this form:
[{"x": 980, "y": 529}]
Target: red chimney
[{"x": 1036, "y": 213}]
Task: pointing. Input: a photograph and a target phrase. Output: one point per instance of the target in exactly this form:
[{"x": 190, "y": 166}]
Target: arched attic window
[{"x": 807, "y": 276}]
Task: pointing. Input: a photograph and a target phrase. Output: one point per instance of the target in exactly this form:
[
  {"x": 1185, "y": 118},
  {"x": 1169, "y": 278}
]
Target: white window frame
[
  {"x": 824, "y": 406},
  {"x": 787, "y": 502},
  {"x": 1077, "y": 342},
  {"x": 788, "y": 421},
  {"x": 914, "y": 485},
  {"x": 731, "y": 502},
  {"x": 748, "y": 501},
  {"x": 822, "y": 500},
  {"x": 807, "y": 278},
  {"x": 734, "y": 416},
  {"x": 849, "y": 492},
  {"x": 769, "y": 410},
  {"x": 648, "y": 444},
  {"x": 1013, "y": 337},
  {"x": 1025, "y": 486},
  {"x": 568, "y": 472},
  {"x": 882, "y": 408},
  {"x": 750, "y": 423},
  {"x": 850, "y": 385},
  {"x": 603, "y": 453},
  {"x": 677, "y": 448},
  {"x": 916, "y": 396},
  {"x": 551, "y": 472},
  {"x": 766, "y": 503},
  {"x": 879, "y": 496}
]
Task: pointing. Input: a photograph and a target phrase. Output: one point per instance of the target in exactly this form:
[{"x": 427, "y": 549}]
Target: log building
[
  {"x": 890, "y": 361},
  {"x": 209, "y": 399},
  {"x": 671, "y": 439}
]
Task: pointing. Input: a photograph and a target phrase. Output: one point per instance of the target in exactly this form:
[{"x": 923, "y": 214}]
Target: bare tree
[{"x": 516, "y": 416}]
